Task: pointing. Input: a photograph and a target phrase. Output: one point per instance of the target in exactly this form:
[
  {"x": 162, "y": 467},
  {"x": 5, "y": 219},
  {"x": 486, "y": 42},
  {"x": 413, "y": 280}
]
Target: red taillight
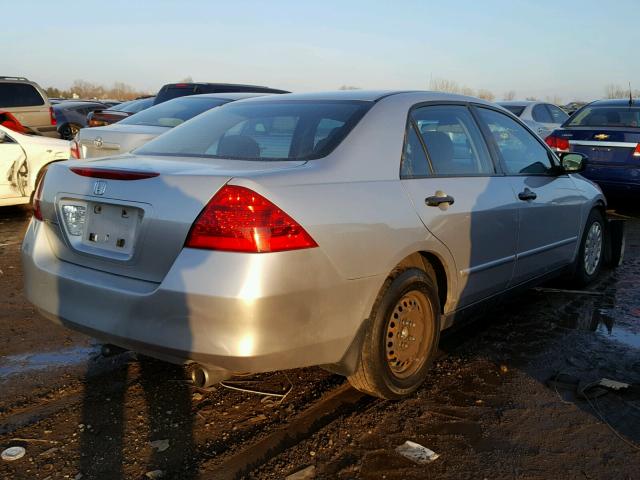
[
  {"x": 240, "y": 220},
  {"x": 37, "y": 197},
  {"x": 52, "y": 116},
  {"x": 557, "y": 143},
  {"x": 112, "y": 174},
  {"x": 75, "y": 149},
  {"x": 636, "y": 152}
]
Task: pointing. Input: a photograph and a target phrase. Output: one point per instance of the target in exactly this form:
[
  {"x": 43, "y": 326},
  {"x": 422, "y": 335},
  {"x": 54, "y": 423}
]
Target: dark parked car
[
  {"x": 174, "y": 90},
  {"x": 72, "y": 116},
  {"x": 100, "y": 118},
  {"x": 608, "y": 132}
]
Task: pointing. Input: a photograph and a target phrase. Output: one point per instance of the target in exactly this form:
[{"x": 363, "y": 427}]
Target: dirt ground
[{"x": 487, "y": 408}]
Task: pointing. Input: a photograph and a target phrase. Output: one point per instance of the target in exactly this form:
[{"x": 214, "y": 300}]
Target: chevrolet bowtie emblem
[{"x": 601, "y": 136}]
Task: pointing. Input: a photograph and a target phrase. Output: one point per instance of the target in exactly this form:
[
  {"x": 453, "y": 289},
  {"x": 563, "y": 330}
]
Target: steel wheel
[
  {"x": 593, "y": 248},
  {"x": 409, "y": 334}
]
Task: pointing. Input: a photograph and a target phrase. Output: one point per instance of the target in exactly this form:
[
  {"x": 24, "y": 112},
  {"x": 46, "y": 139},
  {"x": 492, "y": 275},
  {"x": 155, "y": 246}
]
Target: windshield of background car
[
  {"x": 173, "y": 112},
  {"x": 267, "y": 131},
  {"x": 612, "y": 116},
  {"x": 133, "y": 106},
  {"x": 515, "y": 109}
]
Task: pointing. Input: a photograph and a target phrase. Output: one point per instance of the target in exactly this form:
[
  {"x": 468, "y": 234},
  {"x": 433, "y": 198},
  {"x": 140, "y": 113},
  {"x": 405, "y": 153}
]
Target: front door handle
[
  {"x": 438, "y": 200},
  {"x": 527, "y": 194}
]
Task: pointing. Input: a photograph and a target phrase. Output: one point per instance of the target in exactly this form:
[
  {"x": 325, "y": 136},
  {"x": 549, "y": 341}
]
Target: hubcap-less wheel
[
  {"x": 593, "y": 248},
  {"x": 409, "y": 334}
]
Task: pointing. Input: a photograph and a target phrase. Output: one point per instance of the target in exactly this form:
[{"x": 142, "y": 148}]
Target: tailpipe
[{"x": 204, "y": 376}]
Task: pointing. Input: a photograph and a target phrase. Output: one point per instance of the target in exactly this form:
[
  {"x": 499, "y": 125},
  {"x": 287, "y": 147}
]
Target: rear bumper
[{"x": 239, "y": 312}]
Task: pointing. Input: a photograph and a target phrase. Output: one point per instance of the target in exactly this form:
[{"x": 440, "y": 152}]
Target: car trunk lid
[
  {"x": 130, "y": 215},
  {"x": 115, "y": 139}
]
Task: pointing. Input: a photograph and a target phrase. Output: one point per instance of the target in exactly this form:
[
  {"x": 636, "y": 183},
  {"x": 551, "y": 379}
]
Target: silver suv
[{"x": 29, "y": 104}]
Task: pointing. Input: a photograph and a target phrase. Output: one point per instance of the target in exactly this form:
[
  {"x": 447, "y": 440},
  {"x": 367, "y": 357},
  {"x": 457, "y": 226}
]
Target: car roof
[
  {"x": 618, "y": 102},
  {"x": 518, "y": 103},
  {"x": 225, "y": 96},
  {"x": 369, "y": 96},
  {"x": 77, "y": 103}
]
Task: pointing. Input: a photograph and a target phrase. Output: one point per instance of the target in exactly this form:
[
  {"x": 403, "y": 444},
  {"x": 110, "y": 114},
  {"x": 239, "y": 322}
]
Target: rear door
[
  {"x": 448, "y": 173},
  {"x": 549, "y": 205}
]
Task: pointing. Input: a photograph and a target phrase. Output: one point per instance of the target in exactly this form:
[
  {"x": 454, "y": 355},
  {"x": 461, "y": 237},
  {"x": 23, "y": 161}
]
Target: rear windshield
[
  {"x": 133, "y": 106},
  {"x": 254, "y": 130},
  {"x": 19, "y": 95},
  {"x": 175, "y": 91},
  {"x": 515, "y": 109},
  {"x": 616, "y": 116},
  {"x": 174, "y": 112}
]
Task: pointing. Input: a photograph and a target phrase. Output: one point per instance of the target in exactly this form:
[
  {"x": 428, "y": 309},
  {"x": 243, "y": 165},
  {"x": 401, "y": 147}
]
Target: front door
[
  {"x": 550, "y": 205},
  {"x": 454, "y": 187}
]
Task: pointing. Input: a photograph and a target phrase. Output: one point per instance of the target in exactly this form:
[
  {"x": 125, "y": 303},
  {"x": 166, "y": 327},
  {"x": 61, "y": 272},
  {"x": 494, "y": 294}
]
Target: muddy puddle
[
  {"x": 610, "y": 315},
  {"x": 35, "y": 361}
]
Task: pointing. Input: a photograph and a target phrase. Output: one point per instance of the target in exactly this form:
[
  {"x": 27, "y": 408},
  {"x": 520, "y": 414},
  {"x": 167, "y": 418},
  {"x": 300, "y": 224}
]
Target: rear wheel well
[{"x": 431, "y": 264}]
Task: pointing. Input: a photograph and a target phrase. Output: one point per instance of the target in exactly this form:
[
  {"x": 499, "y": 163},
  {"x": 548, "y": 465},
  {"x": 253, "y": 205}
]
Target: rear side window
[
  {"x": 453, "y": 140},
  {"x": 173, "y": 113},
  {"x": 268, "y": 131},
  {"x": 520, "y": 151},
  {"x": 558, "y": 115},
  {"x": 19, "y": 95},
  {"x": 414, "y": 160},
  {"x": 614, "y": 116},
  {"x": 541, "y": 114}
]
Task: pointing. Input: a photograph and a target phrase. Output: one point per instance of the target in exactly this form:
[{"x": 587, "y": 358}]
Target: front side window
[
  {"x": 262, "y": 130},
  {"x": 454, "y": 143},
  {"x": 541, "y": 114},
  {"x": 520, "y": 151}
]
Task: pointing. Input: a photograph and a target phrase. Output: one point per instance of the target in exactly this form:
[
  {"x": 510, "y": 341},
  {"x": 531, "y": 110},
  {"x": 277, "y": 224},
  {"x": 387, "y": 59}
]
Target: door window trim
[{"x": 497, "y": 166}]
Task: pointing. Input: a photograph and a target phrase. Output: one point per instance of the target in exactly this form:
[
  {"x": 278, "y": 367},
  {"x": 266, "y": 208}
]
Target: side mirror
[{"x": 573, "y": 162}]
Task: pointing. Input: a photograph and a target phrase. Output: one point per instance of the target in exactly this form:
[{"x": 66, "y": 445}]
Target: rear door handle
[
  {"x": 438, "y": 200},
  {"x": 527, "y": 194}
]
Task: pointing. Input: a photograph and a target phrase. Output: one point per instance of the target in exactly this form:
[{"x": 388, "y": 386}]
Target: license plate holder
[{"x": 112, "y": 228}]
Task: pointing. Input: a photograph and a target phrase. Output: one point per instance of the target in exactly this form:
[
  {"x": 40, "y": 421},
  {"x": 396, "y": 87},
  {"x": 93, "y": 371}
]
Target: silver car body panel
[{"x": 260, "y": 312}]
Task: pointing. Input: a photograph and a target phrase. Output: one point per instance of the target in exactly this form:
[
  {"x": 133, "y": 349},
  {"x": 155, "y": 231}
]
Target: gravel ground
[{"x": 487, "y": 408}]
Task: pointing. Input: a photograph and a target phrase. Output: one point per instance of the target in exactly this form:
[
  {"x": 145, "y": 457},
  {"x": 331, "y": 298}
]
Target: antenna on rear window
[{"x": 630, "y": 95}]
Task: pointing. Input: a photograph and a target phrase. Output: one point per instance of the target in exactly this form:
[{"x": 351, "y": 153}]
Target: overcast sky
[{"x": 571, "y": 48}]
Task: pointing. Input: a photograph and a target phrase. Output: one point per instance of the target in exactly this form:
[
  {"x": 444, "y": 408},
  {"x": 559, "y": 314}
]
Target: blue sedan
[{"x": 608, "y": 132}]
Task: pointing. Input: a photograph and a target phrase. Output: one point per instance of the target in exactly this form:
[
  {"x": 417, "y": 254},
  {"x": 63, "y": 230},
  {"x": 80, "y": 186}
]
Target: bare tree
[
  {"x": 444, "y": 85},
  {"x": 349, "y": 87},
  {"x": 531, "y": 99},
  {"x": 555, "y": 99},
  {"x": 510, "y": 95},
  {"x": 486, "y": 94},
  {"x": 84, "y": 89},
  {"x": 187, "y": 79}
]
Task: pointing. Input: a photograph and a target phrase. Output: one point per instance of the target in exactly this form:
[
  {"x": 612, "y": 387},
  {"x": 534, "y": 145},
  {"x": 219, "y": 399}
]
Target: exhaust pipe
[{"x": 204, "y": 376}]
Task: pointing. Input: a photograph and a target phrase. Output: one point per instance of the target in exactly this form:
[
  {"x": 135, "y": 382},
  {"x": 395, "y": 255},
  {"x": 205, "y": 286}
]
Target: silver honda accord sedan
[{"x": 343, "y": 229}]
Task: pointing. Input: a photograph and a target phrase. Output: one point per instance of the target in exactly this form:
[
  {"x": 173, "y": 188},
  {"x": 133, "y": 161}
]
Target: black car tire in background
[{"x": 69, "y": 131}]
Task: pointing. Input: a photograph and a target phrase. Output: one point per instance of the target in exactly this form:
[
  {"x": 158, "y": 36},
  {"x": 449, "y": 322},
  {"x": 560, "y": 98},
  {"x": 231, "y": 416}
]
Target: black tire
[
  {"x": 69, "y": 131},
  {"x": 584, "y": 271},
  {"x": 378, "y": 373}
]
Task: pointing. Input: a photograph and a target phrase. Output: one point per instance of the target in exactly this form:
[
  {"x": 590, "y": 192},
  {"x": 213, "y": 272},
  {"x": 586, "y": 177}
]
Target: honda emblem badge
[{"x": 99, "y": 187}]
